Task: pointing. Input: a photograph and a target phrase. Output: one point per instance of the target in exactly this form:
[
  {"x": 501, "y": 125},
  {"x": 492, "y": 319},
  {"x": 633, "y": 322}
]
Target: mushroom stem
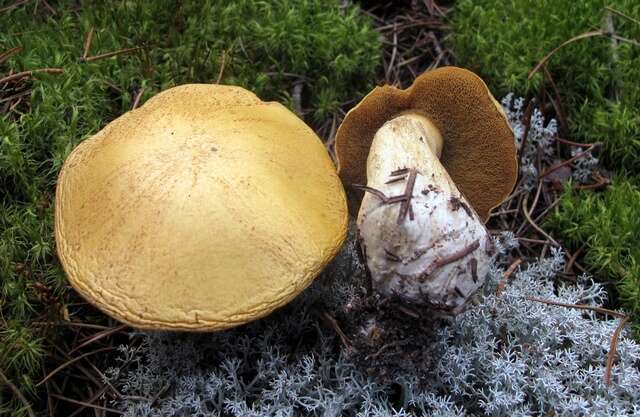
[{"x": 424, "y": 242}]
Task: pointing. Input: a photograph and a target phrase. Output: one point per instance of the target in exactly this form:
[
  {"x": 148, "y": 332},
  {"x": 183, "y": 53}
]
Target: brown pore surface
[{"x": 479, "y": 151}]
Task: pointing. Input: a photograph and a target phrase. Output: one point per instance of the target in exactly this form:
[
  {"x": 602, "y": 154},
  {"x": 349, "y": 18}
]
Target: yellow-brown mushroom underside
[
  {"x": 478, "y": 153},
  {"x": 203, "y": 209}
]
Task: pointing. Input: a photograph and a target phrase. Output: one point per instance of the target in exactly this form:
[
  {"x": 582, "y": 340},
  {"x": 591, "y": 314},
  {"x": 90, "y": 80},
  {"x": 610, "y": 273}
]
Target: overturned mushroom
[
  {"x": 435, "y": 159},
  {"x": 203, "y": 209}
]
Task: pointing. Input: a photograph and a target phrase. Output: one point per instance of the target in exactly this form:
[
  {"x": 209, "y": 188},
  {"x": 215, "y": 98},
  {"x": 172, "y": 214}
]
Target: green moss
[
  {"x": 608, "y": 224},
  {"x": 504, "y": 40},
  {"x": 264, "y": 46}
]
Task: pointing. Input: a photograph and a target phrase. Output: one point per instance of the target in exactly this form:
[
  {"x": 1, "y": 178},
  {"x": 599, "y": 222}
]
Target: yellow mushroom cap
[
  {"x": 204, "y": 209},
  {"x": 479, "y": 150}
]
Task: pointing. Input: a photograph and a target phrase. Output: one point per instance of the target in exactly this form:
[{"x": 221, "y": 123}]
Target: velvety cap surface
[
  {"x": 479, "y": 151},
  {"x": 202, "y": 210}
]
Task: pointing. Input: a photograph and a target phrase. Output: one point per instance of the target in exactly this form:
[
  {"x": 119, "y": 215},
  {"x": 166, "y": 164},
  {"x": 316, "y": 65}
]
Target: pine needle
[{"x": 17, "y": 393}]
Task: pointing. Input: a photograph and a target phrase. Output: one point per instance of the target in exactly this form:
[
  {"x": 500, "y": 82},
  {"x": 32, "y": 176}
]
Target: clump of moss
[
  {"x": 328, "y": 47},
  {"x": 609, "y": 226},
  {"x": 597, "y": 78}
]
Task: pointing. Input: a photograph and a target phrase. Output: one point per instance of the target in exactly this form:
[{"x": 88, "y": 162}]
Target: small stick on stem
[
  {"x": 439, "y": 263},
  {"x": 372, "y": 190},
  {"x": 408, "y": 193}
]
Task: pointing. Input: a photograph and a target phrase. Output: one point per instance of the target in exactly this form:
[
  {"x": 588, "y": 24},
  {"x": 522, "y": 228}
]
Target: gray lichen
[{"x": 507, "y": 356}]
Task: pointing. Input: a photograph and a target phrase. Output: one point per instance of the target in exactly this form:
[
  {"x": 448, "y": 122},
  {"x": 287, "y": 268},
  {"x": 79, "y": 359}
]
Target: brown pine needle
[
  {"x": 30, "y": 73},
  {"x": 70, "y": 324},
  {"x": 89, "y": 401},
  {"x": 87, "y": 44},
  {"x": 600, "y": 183},
  {"x": 544, "y": 60},
  {"x": 71, "y": 361},
  {"x": 85, "y": 404},
  {"x": 98, "y": 336},
  {"x": 572, "y": 143},
  {"x": 136, "y": 99},
  {"x": 5, "y": 381},
  {"x": 503, "y": 282},
  {"x": 570, "y": 160},
  {"x": 343, "y": 337},
  {"x": 613, "y": 348},
  {"x": 590, "y": 34},
  {"x": 223, "y": 59},
  {"x": 112, "y": 54},
  {"x": 527, "y": 215},
  {"x": 579, "y": 307},
  {"x": 619, "y": 13},
  {"x": 13, "y": 6},
  {"x": 8, "y": 54}
]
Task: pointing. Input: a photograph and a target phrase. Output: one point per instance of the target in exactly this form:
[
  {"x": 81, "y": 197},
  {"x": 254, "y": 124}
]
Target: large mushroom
[
  {"x": 204, "y": 209},
  {"x": 423, "y": 168}
]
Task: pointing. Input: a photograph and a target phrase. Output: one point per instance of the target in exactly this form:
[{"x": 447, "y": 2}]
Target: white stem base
[{"x": 429, "y": 248}]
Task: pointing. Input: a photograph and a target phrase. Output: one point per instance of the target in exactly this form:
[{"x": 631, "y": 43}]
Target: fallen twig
[{"x": 30, "y": 73}]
